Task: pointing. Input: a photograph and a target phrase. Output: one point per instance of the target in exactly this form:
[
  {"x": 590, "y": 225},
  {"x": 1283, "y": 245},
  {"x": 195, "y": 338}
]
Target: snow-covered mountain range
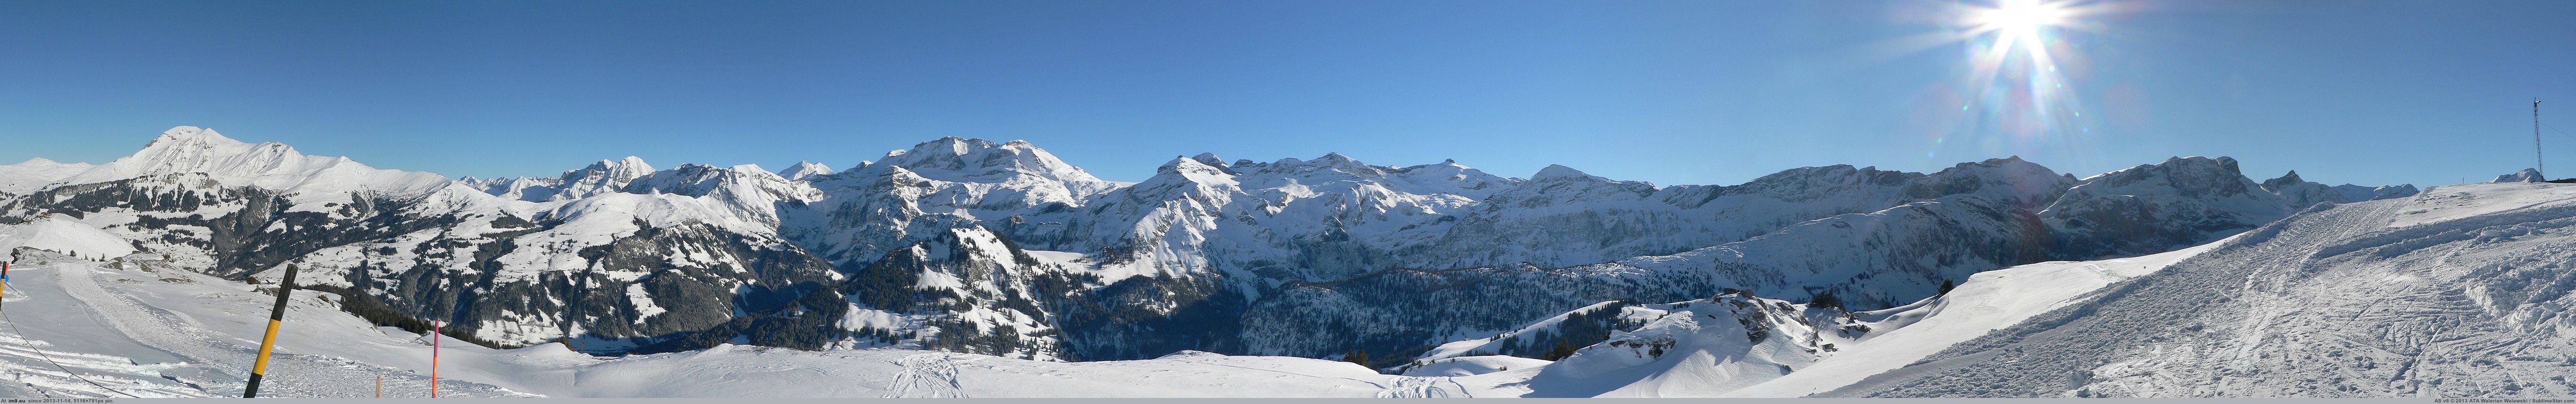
[
  {"x": 963, "y": 267},
  {"x": 1001, "y": 248}
]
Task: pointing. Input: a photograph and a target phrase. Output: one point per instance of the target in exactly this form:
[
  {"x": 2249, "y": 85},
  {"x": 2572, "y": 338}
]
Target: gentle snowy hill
[
  {"x": 36, "y": 173},
  {"x": 63, "y": 236}
]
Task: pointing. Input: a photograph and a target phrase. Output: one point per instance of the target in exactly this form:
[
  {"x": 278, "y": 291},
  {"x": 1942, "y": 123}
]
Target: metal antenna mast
[{"x": 2536, "y": 164}]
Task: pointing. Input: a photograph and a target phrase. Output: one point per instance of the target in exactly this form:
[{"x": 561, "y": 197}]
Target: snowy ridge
[
  {"x": 35, "y": 174},
  {"x": 312, "y": 180},
  {"x": 804, "y": 169},
  {"x": 2526, "y": 175},
  {"x": 1690, "y": 348},
  {"x": 61, "y": 236}
]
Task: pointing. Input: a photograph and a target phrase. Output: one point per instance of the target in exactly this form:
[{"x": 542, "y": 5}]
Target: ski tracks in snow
[
  {"x": 218, "y": 368},
  {"x": 1424, "y": 387},
  {"x": 930, "y": 375},
  {"x": 36, "y": 368}
]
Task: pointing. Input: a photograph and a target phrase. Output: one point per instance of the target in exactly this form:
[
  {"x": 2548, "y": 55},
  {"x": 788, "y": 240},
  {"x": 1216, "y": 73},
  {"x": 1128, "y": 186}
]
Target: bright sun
[
  {"x": 2022, "y": 18},
  {"x": 2017, "y": 48}
]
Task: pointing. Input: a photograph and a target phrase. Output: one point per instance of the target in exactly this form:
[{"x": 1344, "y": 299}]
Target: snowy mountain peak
[
  {"x": 1463, "y": 180},
  {"x": 2011, "y": 180},
  {"x": 2182, "y": 201},
  {"x": 2188, "y": 176},
  {"x": 39, "y": 161},
  {"x": 34, "y": 173},
  {"x": 958, "y": 159},
  {"x": 1554, "y": 171},
  {"x": 1187, "y": 166},
  {"x": 2526, "y": 175},
  {"x": 275, "y": 166},
  {"x": 184, "y": 133},
  {"x": 804, "y": 169},
  {"x": 2285, "y": 181},
  {"x": 2224, "y": 161},
  {"x": 189, "y": 149},
  {"x": 1212, "y": 160},
  {"x": 1209, "y": 158},
  {"x": 620, "y": 170},
  {"x": 605, "y": 176}
]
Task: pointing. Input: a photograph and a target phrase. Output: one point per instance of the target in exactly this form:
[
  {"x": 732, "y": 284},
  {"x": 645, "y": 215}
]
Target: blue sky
[{"x": 1674, "y": 92}]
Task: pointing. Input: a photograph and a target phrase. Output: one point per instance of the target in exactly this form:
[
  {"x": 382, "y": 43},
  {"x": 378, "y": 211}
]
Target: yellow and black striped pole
[{"x": 270, "y": 342}]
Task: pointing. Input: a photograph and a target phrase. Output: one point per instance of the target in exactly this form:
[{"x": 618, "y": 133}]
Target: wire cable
[
  {"x": 22, "y": 335},
  {"x": 2560, "y": 132}
]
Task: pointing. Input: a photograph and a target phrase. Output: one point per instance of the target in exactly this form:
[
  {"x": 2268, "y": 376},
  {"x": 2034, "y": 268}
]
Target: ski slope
[
  {"x": 1986, "y": 302},
  {"x": 2459, "y": 292},
  {"x": 152, "y": 331}
]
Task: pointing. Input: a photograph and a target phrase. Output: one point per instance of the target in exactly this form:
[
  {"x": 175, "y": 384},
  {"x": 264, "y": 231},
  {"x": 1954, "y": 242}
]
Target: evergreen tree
[
  {"x": 1946, "y": 285},
  {"x": 1826, "y": 299},
  {"x": 1563, "y": 349},
  {"x": 1357, "y": 356}
]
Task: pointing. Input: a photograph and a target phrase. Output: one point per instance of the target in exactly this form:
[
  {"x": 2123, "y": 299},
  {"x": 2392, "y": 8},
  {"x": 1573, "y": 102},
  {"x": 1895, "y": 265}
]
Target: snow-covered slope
[
  {"x": 36, "y": 173},
  {"x": 1985, "y": 302},
  {"x": 146, "y": 329},
  {"x": 1683, "y": 349},
  {"x": 2458, "y": 292},
  {"x": 64, "y": 237}
]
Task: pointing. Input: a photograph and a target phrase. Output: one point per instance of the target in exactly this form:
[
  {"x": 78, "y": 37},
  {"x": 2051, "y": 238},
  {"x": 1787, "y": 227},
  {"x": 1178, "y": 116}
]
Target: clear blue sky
[{"x": 1674, "y": 92}]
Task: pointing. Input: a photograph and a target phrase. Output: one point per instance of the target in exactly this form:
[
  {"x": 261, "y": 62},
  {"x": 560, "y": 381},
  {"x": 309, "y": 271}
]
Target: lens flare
[
  {"x": 2015, "y": 95},
  {"x": 2020, "y": 18}
]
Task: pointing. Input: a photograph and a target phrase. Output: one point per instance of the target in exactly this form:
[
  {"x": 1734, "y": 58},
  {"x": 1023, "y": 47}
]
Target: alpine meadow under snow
[{"x": 965, "y": 267}]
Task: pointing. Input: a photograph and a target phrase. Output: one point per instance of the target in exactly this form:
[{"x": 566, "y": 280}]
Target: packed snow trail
[
  {"x": 2460, "y": 292},
  {"x": 182, "y": 334},
  {"x": 58, "y": 382},
  {"x": 930, "y": 375},
  {"x": 1425, "y": 387},
  {"x": 1988, "y": 301},
  {"x": 187, "y": 358}
]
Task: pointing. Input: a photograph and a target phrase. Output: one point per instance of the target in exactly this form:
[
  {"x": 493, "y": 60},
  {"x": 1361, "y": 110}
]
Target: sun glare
[
  {"x": 2015, "y": 86},
  {"x": 2021, "y": 17}
]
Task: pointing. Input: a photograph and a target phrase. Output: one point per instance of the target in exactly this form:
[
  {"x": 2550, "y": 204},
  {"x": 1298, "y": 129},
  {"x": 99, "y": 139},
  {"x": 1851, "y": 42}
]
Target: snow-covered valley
[{"x": 964, "y": 267}]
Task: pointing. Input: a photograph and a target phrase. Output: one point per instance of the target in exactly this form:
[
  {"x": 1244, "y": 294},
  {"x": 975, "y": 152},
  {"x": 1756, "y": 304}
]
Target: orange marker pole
[{"x": 434, "y": 329}]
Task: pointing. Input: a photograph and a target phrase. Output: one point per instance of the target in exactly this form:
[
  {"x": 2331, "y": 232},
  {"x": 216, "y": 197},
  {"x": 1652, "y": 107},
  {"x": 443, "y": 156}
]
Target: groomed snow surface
[{"x": 170, "y": 333}]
